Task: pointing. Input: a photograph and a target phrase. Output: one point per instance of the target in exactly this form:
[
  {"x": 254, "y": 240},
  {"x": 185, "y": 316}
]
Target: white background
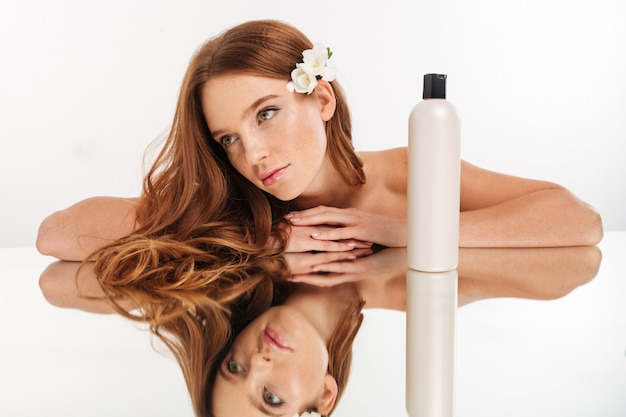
[{"x": 86, "y": 85}]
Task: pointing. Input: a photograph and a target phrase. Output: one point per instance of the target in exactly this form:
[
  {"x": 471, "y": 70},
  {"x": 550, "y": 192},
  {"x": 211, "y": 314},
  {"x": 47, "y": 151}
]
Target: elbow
[
  {"x": 52, "y": 239},
  {"x": 583, "y": 219},
  {"x": 581, "y": 224},
  {"x": 45, "y": 242},
  {"x": 595, "y": 230}
]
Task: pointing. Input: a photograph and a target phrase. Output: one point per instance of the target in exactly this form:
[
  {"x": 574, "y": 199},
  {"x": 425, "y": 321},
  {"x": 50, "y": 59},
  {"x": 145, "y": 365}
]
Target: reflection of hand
[
  {"x": 310, "y": 262},
  {"x": 311, "y": 238},
  {"x": 351, "y": 224},
  {"x": 384, "y": 264}
]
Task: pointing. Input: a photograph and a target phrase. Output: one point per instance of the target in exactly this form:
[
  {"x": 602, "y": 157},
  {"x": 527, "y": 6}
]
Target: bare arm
[
  {"x": 75, "y": 232},
  {"x": 500, "y": 210},
  {"x": 497, "y": 210}
]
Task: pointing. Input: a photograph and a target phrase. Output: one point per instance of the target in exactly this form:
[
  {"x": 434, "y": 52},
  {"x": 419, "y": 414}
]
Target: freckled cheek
[{"x": 238, "y": 162}]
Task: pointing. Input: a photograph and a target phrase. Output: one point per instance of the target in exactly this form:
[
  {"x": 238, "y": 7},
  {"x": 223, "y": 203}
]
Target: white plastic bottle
[{"x": 434, "y": 180}]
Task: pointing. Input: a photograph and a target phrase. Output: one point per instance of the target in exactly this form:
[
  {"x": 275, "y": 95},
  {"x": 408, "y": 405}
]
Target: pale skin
[
  {"x": 262, "y": 133},
  {"x": 276, "y": 139}
]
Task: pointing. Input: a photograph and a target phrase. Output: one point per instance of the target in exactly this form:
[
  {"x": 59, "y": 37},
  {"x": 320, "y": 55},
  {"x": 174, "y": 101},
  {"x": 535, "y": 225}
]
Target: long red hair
[{"x": 204, "y": 259}]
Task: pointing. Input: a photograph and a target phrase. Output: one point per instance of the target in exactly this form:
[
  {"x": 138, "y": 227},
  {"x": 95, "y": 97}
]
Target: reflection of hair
[
  {"x": 197, "y": 319},
  {"x": 203, "y": 227},
  {"x": 340, "y": 345}
]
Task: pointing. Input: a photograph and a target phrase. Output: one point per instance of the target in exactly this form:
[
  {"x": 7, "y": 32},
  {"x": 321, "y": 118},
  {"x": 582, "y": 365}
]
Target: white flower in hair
[
  {"x": 302, "y": 80},
  {"x": 314, "y": 66},
  {"x": 317, "y": 60}
]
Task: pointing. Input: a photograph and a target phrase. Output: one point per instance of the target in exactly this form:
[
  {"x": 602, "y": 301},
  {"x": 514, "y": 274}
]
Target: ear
[
  {"x": 325, "y": 96},
  {"x": 329, "y": 395}
]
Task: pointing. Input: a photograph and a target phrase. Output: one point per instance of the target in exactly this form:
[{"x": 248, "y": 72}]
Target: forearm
[
  {"x": 545, "y": 218},
  {"x": 74, "y": 233}
]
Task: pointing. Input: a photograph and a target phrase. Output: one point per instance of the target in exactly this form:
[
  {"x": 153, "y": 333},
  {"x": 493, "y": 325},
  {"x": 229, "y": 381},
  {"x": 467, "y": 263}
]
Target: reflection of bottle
[
  {"x": 434, "y": 180},
  {"x": 430, "y": 342}
]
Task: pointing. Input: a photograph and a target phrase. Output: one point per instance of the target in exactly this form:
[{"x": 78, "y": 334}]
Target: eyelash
[
  {"x": 266, "y": 110},
  {"x": 227, "y": 363},
  {"x": 259, "y": 120},
  {"x": 271, "y": 404}
]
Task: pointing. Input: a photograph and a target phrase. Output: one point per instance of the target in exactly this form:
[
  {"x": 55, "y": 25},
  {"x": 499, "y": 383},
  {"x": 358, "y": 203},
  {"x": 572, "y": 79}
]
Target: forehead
[
  {"x": 231, "y": 95},
  {"x": 241, "y": 86}
]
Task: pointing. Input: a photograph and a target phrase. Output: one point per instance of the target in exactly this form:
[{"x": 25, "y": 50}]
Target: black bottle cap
[{"x": 434, "y": 86}]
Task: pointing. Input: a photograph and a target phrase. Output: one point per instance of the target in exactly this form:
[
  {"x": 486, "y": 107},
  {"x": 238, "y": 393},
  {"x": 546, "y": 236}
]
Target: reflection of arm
[
  {"x": 63, "y": 288},
  {"x": 539, "y": 273},
  {"x": 74, "y": 233},
  {"x": 500, "y": 210}
]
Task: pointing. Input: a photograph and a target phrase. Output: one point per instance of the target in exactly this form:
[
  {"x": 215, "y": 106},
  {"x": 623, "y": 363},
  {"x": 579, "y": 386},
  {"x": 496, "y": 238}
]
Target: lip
[
  {"x": 270, "y": 177},
  {"x": 272, "y": 338}
]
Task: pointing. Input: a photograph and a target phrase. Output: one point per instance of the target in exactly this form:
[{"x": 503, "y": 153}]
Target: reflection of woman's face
[
  {"x": 274, "y": 138},
  {"x": 276, "y": 366}
]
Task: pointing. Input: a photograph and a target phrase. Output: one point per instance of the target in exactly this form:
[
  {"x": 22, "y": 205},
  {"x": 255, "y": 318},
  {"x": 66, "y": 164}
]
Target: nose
[
  {"x": 256, "y": 149},
  {"x": 262, "y": 359}
]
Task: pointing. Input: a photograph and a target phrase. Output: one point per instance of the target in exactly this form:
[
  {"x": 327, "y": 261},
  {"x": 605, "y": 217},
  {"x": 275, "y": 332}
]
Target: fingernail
[{"x": 315, "y": 234}]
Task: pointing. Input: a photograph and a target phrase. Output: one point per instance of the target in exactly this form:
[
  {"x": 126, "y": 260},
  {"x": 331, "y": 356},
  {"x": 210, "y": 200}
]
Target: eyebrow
[
  {"x": 247, "y": 111},
  {"x": 254, "y": 401}
]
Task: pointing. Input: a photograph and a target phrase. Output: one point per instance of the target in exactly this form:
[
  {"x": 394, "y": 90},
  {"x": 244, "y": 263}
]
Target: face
[
  {"x": 274, "y": 138},
  {"x": 277, "y": 366}
]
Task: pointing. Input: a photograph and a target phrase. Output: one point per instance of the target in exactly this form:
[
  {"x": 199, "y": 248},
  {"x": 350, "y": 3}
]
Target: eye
[
  {"x": 227, "y": 140},
  {"x": 233, "y": 367},
  {"x": 272, "y": 399},
  {"x": 266, "y": 114}
]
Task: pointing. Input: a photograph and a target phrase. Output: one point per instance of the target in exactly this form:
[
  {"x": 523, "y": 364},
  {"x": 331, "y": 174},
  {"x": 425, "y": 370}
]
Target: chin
[{"x": 286, "y": 196}]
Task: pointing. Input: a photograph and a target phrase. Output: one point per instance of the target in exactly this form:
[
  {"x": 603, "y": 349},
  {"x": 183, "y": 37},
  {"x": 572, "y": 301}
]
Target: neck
[
  {"x": 323, "y": 307},
  {"x": 327, "y": 189}
]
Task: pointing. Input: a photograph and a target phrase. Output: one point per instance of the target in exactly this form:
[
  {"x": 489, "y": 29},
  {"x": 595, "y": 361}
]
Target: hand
[
  {"x": 377, "y": 267},
  {"x": 351, "y": 225},
  {"x": 310, "y": 238}
]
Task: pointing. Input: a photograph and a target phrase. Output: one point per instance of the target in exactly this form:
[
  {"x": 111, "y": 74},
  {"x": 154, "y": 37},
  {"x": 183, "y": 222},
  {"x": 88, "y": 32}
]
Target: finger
[
  {"x": 322, "y": 280},
  {"x": 342, "y": 234},
  {"x": 328, "y": 216},
  {"x": 332, "y": 246}
]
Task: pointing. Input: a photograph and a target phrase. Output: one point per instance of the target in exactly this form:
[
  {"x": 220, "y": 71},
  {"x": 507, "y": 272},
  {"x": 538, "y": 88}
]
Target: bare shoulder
[{"x": 389, "y": 165}]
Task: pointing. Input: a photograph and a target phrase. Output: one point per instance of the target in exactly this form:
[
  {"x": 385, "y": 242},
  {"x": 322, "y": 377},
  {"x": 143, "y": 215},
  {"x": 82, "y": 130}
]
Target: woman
[
  {"x": 293, "y": 151},
  {"x": 243, "y": 151}
]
